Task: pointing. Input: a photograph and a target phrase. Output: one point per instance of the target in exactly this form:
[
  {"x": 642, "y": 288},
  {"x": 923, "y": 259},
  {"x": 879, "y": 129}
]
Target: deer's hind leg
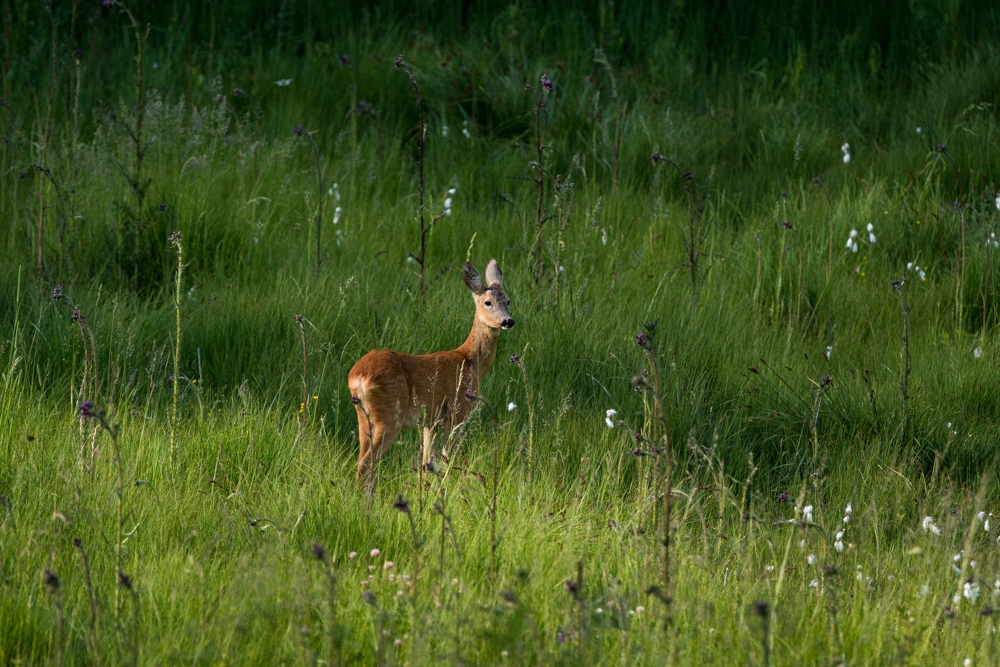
[{"x": 383, "y": 435}]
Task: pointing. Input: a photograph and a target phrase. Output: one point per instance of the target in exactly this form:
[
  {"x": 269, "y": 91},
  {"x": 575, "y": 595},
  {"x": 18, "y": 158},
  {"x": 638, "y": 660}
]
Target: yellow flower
[
  {"x": 315, "y": 398},
  {"x": 302, "y": 407}
]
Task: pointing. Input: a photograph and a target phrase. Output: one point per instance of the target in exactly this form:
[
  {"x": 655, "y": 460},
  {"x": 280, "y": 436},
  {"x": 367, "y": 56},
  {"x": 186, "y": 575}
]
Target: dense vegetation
[{"x": 763, "y": 236}]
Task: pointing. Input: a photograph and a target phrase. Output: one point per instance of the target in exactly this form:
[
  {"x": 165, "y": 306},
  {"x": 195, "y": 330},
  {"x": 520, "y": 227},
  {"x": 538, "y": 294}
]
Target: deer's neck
[{"x": 480, "y": 348}]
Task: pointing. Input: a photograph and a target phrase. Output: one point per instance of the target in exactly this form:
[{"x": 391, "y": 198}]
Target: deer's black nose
[{"x": 507, "y": 324}]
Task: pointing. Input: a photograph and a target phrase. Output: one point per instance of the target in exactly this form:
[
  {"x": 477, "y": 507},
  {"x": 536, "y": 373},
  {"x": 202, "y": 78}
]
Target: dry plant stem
[
  {"x": 601, "y": 59},
  {"x": 94, "y": 633},
  {"x": 119, "y": 496},
  {"x": 421, "y": 137},
  {"x": 536, "y": 252},
  {"x": 303, "y": 410},
  {"x": 898, "y": 286},
  {"x": 319, "y": 199},
  {"x": 176, "y": 240}
]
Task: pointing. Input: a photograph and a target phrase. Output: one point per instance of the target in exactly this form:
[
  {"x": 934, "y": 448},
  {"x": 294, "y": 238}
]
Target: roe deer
[{"x": 391, "y": 390}]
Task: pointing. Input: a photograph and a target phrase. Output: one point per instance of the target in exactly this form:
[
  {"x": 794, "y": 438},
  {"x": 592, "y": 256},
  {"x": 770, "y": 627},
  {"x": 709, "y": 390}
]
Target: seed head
[
  {"x": 51, "y": 580},
  {"x": 402, "y": 504},
  {"x": 175, "y": 238}
]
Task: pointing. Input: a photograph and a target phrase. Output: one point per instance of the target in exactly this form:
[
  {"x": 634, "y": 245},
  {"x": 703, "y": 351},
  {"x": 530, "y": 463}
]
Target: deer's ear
[
  {"x": 472, "y": 278},
  {"x": 494, "y": 277}
]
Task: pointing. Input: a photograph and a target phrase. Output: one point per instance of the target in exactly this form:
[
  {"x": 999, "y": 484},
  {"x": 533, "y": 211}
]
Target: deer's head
[{"x": 492, "y": 304}]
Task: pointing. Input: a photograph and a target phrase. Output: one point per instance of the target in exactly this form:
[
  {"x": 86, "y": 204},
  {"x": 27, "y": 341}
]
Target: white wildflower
[
  {"x": 978, "y": 352},
  {"x": 811, "y": 559},
  {"x": 336, "y": 214},
  {"x": 871, "y": 233},
  {"x": 608, "y": 418},
  {"x": 511, "y": 406},
  {"x": 281, "y": 83},
  {"x": 375, "y": 553},
  {"x": 924, "y": 590},
  {"x": 981, "y": 516},
  {"x": 992, "y": 241},
  {"x": 852, "y": 241},
  {"x": 846, "y": 150},
  {"x": 849, "y": 509},
  {"x": 599, "y": 610},
  {"x": 156, "y": 65},
  {"x": 919, "y": 130},
  {"x": 807, "y": 513},
  {"x": 447, "y": 202},
  {"x": 604, "y": 236},
  {"x": 334, "y": 191},
  {"x": 970, "y": 591},
  {"x": 444, "y": 130},
  {"x": 465, "y": 130},
  {"x": 829, "y": 352},
  {"x": 928, "y": 523},
  {"x": 967, "y": 662},
  {"x": 813, "y": 584},
  {"x": 998, "y": 202}
]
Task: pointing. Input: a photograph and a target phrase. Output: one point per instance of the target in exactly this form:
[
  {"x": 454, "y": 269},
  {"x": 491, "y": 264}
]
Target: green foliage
[{"x": 217, "y": 543}]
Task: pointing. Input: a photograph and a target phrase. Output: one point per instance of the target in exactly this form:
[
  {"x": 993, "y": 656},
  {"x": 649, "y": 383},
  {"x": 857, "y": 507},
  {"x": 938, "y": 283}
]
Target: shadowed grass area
[{"x": 782, "y": 370}]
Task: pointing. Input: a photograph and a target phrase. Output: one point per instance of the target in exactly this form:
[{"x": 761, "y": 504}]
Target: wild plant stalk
[
  {"x": 538, "y": 165},
  {"x": 495, "y": 452},
  {"x": 176, "y": 240},
  {"x": 986, "y": 292},
  {"x": 518, "y": 360},
  {"x": 92, "y": 636},
  {"x": 51, "y": 582},
  {"x": 601, "y": 59},
  {"x": 125, "y": 582},
  {"x": 694, "y": 239},
  {"x": 88, "y": 410},
  {"x": 319, "y": 192},
  {"x": 756, "y": 284},
  {"x": 762, "y": 610},
  {"x": 646, "y": 340},
  {"x": 959, "y": 206},
  {"x": 303, "y": 409},
  {"x": 905, "y": 386},
  {"x": 425, "y": 229},
  {"x": 333, "y": 642},
  {"x": 403, "y": 506},
  {"x": 136, "y": 182},
  {"x": 829, "y": 218}
]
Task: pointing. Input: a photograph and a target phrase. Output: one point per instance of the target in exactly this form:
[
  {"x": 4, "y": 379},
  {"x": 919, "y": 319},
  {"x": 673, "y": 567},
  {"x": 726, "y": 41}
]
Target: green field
[{"x": 699, "y": 212}]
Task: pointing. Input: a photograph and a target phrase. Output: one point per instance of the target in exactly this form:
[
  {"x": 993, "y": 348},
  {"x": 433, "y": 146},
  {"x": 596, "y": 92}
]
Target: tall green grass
[{"x": 755, "y": 102}]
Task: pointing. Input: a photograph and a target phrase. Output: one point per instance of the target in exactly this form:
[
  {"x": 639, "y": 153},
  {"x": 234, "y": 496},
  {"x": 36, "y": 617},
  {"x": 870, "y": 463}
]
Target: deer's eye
[{"x": 489, "y": 304}]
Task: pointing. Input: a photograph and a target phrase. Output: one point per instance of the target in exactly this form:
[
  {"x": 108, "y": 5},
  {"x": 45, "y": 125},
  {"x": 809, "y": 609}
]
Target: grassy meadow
[{"x": 749, "y": 414}]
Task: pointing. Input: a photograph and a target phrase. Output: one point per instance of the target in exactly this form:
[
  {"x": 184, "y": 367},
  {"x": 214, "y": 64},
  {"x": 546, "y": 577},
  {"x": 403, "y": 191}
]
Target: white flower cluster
[
  {"x": 992, "y": 240},
  {"x": 913, "y": 266},
  {"x": 929, "y": 526},
  {"x": 281, "y": 83},
  {"x": 985, "y": 518},
  {"x": 465, "y": 130},
  {"x": 511, "y": 406},
  {"x": 609, "y": 418},
  {"x": 448, "y": 201},
  {"x": 852, "y": 238},
  {"x": 846, "y": 150},
  {"x": 444, "y": 130}
]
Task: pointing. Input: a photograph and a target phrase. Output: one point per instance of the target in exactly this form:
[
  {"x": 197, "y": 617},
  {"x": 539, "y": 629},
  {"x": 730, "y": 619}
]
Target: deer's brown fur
[{"x": 391, "y": 390}]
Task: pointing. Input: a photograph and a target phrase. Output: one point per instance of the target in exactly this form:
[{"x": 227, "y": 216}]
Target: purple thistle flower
[
  {"x": 318, "y": 552},
  {"x": 514, "y": 359},
  {"x": 941, "y": 148},
  {"x": 299, "y": 130},
  {"x": 687, "y": 176},
  {"x": 571, "y": 587},
  {"x": 402, "y": 504},
  {"x": 955, "y": 205},
  {"x": 528, "y": 87},
  {"x": 640, "y": 339},
  {"x": 345, "y": 59},
  {"x": 399, "y": 61},
  {"x": 547, "y": 85},
  {"x": 87, "y": 409},
  {"x": 237, "y": 91},
  {"x": 124, "y": 580},
  {"x": 560, "y": 637},
  {"x": 817, "y": 181},
  {"x": 761, "y": 608},
  {"x": 219, "y": 97},
  {"x": 57, "y": 292},
  {"x": 176, "y": 237},
  {"x": 50, "y": 579},
  {"x": 162, "y": 206},
  {"x": 656, "y": 157},
  {"x": 786, "y": 224},
  {"x": 369, "y": 597},
  {"x": 78, "y": 54},
  {"x": 76, "y": 316}
]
